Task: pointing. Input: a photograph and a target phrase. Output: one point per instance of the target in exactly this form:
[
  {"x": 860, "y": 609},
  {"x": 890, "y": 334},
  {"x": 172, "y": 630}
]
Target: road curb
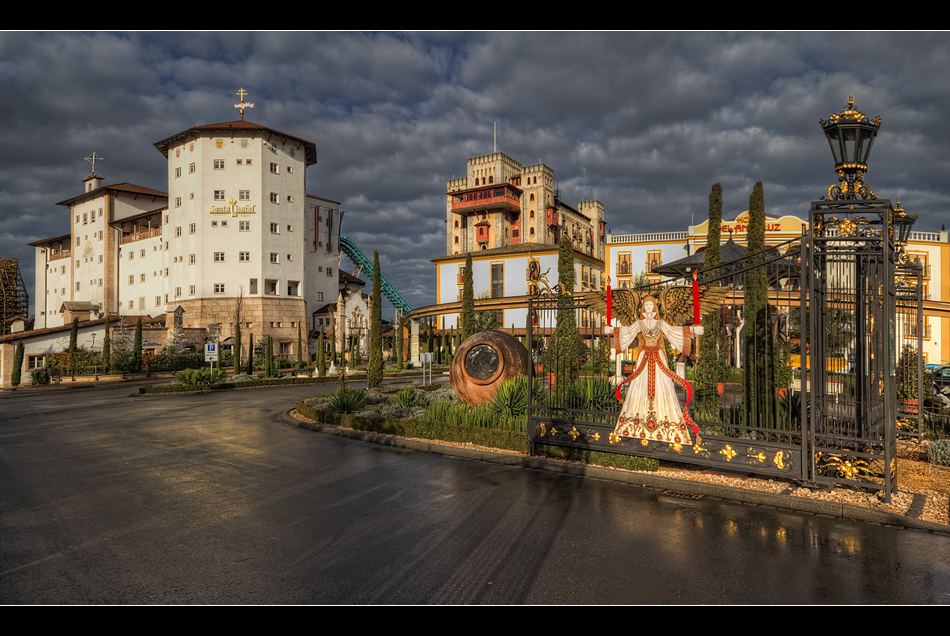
[{"x": 659, "y": 482}]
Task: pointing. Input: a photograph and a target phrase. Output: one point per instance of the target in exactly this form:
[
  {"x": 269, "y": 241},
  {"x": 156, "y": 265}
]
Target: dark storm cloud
[{"x": 645, "y": 122}]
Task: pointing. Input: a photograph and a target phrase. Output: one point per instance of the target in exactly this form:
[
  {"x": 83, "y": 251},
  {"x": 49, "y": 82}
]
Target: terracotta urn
[{"x": 483, "y": 362}]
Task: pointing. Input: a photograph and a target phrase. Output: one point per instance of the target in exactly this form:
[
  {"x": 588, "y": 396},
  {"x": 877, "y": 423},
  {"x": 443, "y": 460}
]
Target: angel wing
[
  {"x": 624, "y": 303},
  {"x": 677, "y": 302}
]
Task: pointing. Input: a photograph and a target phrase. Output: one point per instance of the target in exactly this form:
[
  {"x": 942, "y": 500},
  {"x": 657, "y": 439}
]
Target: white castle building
[{"x": 236, "y": 229}]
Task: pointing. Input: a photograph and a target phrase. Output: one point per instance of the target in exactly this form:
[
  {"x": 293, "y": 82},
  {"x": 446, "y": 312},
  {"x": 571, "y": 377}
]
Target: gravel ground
[{"x": 936, "y": 505}]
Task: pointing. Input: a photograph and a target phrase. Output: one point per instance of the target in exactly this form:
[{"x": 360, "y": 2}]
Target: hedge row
[
  {"x": 225, "y": 386},
  {"x": 422, "y": 429}
]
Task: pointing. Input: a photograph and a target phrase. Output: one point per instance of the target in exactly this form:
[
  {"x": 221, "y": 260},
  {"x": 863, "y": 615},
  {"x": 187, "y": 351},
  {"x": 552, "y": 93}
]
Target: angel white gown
[{"x": 651, "y": 410}]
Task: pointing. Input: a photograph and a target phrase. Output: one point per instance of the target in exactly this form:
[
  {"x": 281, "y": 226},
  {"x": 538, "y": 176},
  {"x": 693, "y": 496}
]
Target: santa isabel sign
[{"x": 233, "y": 209}]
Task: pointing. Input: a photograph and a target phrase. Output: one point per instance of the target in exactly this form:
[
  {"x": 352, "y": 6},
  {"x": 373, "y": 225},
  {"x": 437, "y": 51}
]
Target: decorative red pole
[{"x": 696, "y": 307}]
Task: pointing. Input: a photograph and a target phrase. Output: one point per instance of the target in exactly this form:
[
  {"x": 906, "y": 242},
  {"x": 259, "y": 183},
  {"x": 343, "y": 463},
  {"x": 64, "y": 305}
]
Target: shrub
[
  {"x": 593, "y": 394},
  {"x": 409, "y": 397},
  {"x": 200, "y": 377},
  {"x": 39, "y": 376},
  {"x": 939, "y": 452},
  {"x": 347, "y": 401}
]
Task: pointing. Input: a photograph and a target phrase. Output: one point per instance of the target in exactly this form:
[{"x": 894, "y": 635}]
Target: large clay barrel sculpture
[{"x": 483, "y": 362}]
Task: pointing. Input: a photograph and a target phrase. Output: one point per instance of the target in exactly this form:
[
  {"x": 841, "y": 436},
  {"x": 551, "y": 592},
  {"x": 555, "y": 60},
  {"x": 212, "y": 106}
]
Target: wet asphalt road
[{"x": 106, "y": 498}]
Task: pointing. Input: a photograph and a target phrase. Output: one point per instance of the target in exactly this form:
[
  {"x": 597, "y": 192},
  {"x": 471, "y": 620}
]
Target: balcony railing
[
  {"x": 61, "y": 254},
  {"x": 138, "y": 236}
]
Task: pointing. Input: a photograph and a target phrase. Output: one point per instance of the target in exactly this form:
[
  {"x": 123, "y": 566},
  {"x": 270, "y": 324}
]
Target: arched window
[
  {"x": 456, "y": 222},
  {"x": 476, "y": 180},
  {"x": 532, "y": 214},
  {"x": 532, "y": 232},
  {"x": 531, "y": 198},
  {"x": 456, "y": 239},
  {"x": 491, "y": 179}
]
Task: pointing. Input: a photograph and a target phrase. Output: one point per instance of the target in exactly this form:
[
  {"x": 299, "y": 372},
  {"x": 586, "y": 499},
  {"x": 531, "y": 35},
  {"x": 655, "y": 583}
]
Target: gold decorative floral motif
[
  {"x": 728, "y": 453},
  {"x": 678, "y": 448},
  {"x": 779, "y": 460},
  {"x": 758, "y": 457},
  {"x": 613, "y": 438},
  {"x": 574, "y": 433}
]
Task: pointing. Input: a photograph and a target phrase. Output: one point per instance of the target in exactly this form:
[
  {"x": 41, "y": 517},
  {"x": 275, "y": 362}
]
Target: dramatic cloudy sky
[{"x": 645, "y": 122}]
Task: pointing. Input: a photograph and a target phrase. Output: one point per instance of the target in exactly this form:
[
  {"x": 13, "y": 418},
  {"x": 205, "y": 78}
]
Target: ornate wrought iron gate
[
  {"x": 795, "y": 380},
  {"x": 577, "y": 405},
  {"x": 853, "y": 298}
]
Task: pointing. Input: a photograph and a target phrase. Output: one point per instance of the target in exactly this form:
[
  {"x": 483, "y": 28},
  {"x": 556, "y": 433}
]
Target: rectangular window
[
  {"x": 142, "y": 253},
  {"x": 191, "y": 290},
  {"x": 245, "y": 257},
  {"x": 274, "y": 228},
  {"x": 244, "y": 195},
  {"x": 191, "y": 168},
  {"x": 177, "y": 231},
  {"x": 191, "y": 228},
  {"x": 219, "y": 195},
  {"x": 191, "y": 259},
  {"x": 177, "y": 172},
  {"x": 274, "y": 198},
  {"x": 219, "y": 288},
  {"x": 177, "y": 292},
  {"x": 219, "y": 257},
  {"x": 219, "y": 164},
  {"x": 158, "y": 301},
  {"x": 131, "y": 279},
  {"x": 274, "y": 168},
  {"x": 177, "y": 202},
  {"x": 245, "y": 226},
  {"x": 274, "y": 258}
]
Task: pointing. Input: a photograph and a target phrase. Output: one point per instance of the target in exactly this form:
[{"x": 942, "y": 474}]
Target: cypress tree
[
  {"x": 107, "y": 348},
  {"x": 137, "y": 347},
  {"x": 269, "y": 358},
  {"x": 374, "y": 365},
  {"x": 399, "y": 345},
  {"x": 299, "y": 347},
  {"x": 321, "y": 369},
  {"x": 712, "y": 345},
  {"x": 17, "y": 363},
  {"x": 236, "y": 358},
  {"x": 250, "y": 354},
  {"x": 567, "y": 349},
  {"x": 73, "y": 336},
  {"x": 758, "y": 378},
  {"x": 468, "y": 300}
]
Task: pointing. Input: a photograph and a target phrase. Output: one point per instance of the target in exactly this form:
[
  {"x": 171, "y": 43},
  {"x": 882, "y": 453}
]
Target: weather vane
[
  {"x": 241, "y": 93},
  {"x": 92, "y": 159}
]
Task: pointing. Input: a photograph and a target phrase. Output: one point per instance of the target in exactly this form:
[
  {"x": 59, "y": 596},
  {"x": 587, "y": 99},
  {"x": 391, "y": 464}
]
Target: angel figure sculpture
[{"x": 651, "y": 409}]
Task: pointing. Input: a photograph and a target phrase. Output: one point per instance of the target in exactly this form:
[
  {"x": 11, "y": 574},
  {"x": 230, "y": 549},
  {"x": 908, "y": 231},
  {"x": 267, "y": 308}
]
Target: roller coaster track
[{"x": 355, "y": 254}]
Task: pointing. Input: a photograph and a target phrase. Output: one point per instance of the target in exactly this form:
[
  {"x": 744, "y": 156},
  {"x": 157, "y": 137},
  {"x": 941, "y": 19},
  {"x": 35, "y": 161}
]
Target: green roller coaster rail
[{"x": 356, "y": 255}]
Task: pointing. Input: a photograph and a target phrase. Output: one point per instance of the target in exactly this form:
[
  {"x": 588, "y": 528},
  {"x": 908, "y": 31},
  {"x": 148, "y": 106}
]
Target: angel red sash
[{"x": 651, "y": 361}]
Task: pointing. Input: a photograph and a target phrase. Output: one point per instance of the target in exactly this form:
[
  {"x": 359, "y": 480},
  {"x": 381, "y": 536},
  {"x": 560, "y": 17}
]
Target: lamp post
[{"x": 850, "y": 134}]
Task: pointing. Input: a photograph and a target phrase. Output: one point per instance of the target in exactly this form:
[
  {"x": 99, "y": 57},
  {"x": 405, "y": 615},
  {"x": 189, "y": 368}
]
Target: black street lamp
[
  {"x": 850, "y": 134},
  {"x": 902, "y": 224}
]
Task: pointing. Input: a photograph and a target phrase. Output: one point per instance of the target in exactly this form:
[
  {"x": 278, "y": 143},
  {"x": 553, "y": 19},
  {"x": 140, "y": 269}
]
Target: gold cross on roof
[{"x": 241, "y": 93}]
